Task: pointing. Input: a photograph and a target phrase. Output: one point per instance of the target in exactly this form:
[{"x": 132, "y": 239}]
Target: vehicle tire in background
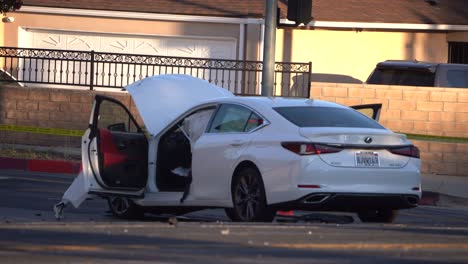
[
  {"x": 248, "y": 198},
  {"x": 125, "y": 208},
  {"x": 378, "y": 216}
]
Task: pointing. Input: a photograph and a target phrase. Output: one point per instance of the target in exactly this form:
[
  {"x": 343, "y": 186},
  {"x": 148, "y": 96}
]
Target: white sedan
[{"x": 203, "y": 147}]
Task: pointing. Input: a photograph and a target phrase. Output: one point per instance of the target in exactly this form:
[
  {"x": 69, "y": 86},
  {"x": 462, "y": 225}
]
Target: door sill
[{"x": 133, "y": 194}]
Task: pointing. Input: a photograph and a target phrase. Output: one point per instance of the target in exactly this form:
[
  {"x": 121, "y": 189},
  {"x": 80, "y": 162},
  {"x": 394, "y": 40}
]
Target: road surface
[{"x": 30, "y": 234}]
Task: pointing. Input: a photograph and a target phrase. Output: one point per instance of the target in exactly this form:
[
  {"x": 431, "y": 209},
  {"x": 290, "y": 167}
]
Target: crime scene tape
[{"x": 43, "y": 130}]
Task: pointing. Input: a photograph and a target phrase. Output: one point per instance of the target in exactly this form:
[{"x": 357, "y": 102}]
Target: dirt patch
[{"x": 38, "y": 154}]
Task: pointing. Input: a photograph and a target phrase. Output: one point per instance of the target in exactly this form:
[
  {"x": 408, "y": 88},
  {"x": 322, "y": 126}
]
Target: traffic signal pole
[{"x": 268, "y": 71}]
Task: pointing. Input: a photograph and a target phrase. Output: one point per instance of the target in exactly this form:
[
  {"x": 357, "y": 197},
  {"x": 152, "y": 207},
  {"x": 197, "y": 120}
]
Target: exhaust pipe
[
  {"x": 412, "y": 200},
  {"x": 316, "y": 198}
]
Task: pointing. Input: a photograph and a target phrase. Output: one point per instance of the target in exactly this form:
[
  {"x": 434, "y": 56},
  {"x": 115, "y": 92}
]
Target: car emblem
[{"x": 368, "y": 140}]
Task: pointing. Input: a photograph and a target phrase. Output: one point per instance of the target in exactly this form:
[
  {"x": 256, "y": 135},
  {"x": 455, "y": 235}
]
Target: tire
[
  {"x": 248, "y": 198},
  {"x": 378, "y": 216},
  {"x": 125, "y": 208}
]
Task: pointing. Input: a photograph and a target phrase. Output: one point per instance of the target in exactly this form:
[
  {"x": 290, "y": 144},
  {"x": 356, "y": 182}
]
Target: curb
[
  {"x": 68, "y": 167},
  {"x": 48, "y": 166}
]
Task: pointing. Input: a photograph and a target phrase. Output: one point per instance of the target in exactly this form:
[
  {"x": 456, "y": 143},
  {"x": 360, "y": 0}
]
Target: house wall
[
  {"x": 457, "y": 36},
  {"x": 2, "y": 34},
  {"x": 435, "y": 111},
  {"x": 350, "y": 56}
]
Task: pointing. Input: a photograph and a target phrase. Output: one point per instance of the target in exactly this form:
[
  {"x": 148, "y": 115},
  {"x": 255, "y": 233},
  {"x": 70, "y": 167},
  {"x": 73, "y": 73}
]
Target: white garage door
[
  {"x": 216, "y": 48},
  {"x": 113, "y": 75}
]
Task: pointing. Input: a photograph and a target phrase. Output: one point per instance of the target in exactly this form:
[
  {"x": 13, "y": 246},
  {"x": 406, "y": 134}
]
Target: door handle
[{"x": 236, "y": 143}]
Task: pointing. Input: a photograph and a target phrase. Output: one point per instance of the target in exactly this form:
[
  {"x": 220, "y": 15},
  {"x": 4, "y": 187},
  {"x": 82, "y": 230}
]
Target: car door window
[
  {"x": 114, "y": 117},
  {"x": 234, "y": 118}
]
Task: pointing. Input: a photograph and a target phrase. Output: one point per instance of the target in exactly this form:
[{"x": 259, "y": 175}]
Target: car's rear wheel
[
  {"x": 123, "y": 207},
  {"x": 248, "y": 198},
  {"x": 378, "y": 216}
]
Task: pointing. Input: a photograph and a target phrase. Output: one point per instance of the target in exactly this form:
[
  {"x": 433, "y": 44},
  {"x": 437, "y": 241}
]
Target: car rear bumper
[{"x": 350, "y": 202}]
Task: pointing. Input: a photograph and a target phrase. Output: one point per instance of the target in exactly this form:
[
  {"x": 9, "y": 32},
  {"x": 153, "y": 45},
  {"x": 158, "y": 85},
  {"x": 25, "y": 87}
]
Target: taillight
[
  {"x": 302, "y": 148},
  {"x": 409, "y": 151}
]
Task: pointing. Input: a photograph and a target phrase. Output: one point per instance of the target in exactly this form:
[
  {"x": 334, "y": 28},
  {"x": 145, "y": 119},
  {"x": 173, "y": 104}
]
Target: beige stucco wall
[
  {"x": 458, "y": 36},
  {"x": 356, "y": 53},
  {"x": 2, "y": 27}
]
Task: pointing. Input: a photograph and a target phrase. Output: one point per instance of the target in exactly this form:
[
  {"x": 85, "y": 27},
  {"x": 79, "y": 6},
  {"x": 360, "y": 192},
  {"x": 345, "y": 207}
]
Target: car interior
[{"x": 175, "y": 154}]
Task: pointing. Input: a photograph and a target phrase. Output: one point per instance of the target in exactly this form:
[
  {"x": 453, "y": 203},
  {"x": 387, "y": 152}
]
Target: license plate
[{"x": 367, "y": 159}]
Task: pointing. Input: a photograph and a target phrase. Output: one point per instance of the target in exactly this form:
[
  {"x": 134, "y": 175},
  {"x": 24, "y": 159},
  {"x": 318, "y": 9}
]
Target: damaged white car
[{"x": 206, "y": 148}]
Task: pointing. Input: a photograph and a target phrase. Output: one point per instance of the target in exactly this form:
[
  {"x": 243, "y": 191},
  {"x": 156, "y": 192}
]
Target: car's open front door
[
  {"x": 115, "y": 151},
  {"x": 370, "y": 110}
]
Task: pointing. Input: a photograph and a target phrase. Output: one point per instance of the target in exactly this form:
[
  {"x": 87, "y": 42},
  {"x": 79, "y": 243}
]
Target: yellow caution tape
[{"x": 43, "y": 130}]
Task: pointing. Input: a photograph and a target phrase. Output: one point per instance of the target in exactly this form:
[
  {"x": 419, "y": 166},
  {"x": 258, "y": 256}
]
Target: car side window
[
  {"x": 114, "y": 117},
  {"x": 457, "y": 78},
  {"x": 234, "y": 119}
]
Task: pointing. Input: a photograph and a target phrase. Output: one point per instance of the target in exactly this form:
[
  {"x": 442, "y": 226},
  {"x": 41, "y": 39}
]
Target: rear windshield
[
  {"x": 407, "y": 77},
  {"x": 309, "y": 116}
]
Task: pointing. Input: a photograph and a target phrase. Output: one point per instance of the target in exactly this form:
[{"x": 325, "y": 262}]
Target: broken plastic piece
[
  {"x": 76, "y": 194},
  {"x": 58, "y": 209}
]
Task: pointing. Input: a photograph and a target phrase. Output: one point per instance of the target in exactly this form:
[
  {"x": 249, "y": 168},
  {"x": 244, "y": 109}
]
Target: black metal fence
[{"x": 115, "y": 70}]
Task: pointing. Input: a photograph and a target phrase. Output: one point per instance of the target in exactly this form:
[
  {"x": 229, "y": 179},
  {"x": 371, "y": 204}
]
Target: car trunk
[{"x": 358, "y": 147}]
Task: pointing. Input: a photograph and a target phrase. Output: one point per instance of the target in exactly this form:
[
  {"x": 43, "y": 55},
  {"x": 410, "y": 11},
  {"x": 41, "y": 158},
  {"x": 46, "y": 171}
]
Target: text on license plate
[{"x": 367, "y": 159}]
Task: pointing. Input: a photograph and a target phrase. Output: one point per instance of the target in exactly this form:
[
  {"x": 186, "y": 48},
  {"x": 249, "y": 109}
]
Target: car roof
[
  {"x": 416, "y": 65},
  {"x": 273, "y": 102}
]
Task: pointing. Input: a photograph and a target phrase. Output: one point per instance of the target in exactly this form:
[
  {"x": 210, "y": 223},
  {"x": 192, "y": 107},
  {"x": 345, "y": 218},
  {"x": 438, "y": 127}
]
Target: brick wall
[
  {"x": 434, "y": 111},
  {"x": 443, "y": 158},
  {"x": 407, "y": 109},
  {"x": 415, "y": 110},
  {"x": 50, "y": 108}
]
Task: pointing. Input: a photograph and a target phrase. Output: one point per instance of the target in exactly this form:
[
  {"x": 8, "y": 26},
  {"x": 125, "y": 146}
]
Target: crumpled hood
[{"x": 163, "y": 98}]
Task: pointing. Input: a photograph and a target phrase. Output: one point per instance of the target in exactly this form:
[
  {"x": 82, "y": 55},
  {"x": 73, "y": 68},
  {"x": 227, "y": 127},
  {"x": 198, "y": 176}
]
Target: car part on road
[
  {"x": 316, "y": 218},
  {"x": 248, "y": 197}
]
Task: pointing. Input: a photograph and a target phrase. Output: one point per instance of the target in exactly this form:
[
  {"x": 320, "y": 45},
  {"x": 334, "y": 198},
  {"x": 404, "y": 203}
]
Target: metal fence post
[{"x": 91, "y": 77}]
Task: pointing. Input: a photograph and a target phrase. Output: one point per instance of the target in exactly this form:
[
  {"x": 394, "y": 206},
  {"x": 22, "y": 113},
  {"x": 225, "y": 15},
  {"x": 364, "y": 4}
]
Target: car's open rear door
[
  {"x": 370, "y": 110},
  {"x": 114, "y": 156},
  {"x": 114, "y": 151}
]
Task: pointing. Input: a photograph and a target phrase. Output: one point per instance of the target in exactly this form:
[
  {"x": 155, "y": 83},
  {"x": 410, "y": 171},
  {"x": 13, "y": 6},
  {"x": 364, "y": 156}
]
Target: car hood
[{"x": 163, "y": 98}]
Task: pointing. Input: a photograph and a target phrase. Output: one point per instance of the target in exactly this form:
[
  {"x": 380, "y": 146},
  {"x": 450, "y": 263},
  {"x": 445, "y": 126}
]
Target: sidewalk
[
  {"x": 445, "y": 184},
  {"x": 445, "y": 190}
]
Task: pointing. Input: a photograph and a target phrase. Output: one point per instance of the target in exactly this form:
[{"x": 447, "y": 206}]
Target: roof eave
[
  {"x": 138, "y": 15},
  {"x": 382, "y": 26}
]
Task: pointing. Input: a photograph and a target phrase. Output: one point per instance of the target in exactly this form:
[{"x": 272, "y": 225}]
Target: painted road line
[
  {"x": 76, "y": 248},
  {"x": 37, "y": 190},
  {"x": 373, "y": 246},
  {"x": 39, "y": 180}
]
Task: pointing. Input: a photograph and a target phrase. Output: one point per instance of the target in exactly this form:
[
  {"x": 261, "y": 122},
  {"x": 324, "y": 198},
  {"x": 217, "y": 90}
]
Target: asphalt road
[{"x": 30, "y": 234}]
